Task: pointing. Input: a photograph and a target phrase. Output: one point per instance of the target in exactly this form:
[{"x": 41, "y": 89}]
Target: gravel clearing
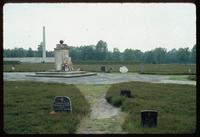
[
  {"x": 100, "y": 78},
  {"x": 102, "y": 109}
]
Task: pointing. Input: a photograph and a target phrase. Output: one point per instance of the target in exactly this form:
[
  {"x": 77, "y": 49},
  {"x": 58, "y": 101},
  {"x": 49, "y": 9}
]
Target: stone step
[
  {"x": 63, "y": 76},
  {"x": 61, "y": 73}
]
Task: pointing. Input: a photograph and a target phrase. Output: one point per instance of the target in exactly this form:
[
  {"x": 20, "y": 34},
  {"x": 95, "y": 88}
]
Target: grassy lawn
[
  {"x": 27, "y": 106},
  {"x": 182, "y": 77},
  {"x": 168, "y": 69},
  {"x": 175, "y": 77},
  {"x": 176, "y": 105},
  {"x": 29, "y": 67}
]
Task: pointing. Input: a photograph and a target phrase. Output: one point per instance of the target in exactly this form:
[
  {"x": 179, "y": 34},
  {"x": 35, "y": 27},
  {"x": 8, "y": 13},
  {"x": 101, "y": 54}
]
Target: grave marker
[
  {"x": 103, "y": 68},
  {"x": 141, "y": 68},
  {"x": 149, "y": 118},
  {"x": 62, "y": 104}
]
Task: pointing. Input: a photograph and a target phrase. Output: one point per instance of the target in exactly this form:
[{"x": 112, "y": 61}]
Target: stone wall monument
[{"x": 62, "y": 60}]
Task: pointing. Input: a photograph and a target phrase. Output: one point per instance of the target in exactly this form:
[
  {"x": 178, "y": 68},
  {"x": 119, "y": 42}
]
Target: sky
[{"x": 142, "y": 26}]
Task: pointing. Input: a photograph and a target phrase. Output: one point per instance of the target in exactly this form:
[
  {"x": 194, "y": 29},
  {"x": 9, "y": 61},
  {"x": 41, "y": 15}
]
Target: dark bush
[
  {"x": 192, "y": 77},
  {"x": 108, "y": 98},
  {"x": 11, "y": 62},
  {"x": 117, "y": 101}
]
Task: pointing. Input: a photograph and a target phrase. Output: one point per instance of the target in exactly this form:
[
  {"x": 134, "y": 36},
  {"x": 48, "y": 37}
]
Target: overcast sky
[{"x": 130, "y": 25}]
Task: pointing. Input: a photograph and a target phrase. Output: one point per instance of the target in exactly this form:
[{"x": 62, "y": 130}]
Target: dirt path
[{"x": 103, "y": 118}]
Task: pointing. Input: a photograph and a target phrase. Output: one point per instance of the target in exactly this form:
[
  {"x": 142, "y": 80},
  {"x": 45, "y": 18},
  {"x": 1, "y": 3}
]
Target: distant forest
[{"x": 99, "y": 52}]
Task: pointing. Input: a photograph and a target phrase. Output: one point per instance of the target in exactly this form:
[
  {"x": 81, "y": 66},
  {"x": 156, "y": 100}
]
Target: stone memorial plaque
[
  {"x": 103, "y": 68},
  {"x": 141, "y": 68},
  {"x": 62, "y": 104},
  {"x": 109, "y": 70},
  {"x": 149, "y": 118},
  {"x": 126, "y": 93}
]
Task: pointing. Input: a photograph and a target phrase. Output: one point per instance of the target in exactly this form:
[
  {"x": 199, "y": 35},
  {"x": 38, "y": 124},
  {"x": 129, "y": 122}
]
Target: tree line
[{"x": 99, "y": 52}]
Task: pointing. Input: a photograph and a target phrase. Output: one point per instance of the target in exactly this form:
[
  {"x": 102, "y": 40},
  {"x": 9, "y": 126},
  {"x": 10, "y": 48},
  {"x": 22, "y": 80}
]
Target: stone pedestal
[{"x": 62, "y": 57}]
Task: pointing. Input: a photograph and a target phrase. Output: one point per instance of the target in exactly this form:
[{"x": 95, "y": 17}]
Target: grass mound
[
  {"x": 176, "y": 105},
  {"x": 27, "y": 106}
]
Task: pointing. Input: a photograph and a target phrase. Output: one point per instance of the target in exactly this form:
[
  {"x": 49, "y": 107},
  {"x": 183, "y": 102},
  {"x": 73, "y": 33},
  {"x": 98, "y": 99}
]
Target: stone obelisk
[{"x": 44, "y": 46}]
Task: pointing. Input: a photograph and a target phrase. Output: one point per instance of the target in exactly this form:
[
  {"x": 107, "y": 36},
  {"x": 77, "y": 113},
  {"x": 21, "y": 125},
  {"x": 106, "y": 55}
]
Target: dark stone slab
[
  {"x": 126, "y": 93},
  {"x": 62, "y": 104},
  {"x": 141, "y": 68},
  {"x": 149, "y": 118},
  {"x": 109, "y": 70},
  {"x": 103, "y": 68}
]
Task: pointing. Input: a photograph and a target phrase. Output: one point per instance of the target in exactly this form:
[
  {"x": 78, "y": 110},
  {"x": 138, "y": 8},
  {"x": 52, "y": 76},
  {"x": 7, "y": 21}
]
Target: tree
[
  {"x": 6, "y": 53},
  {"x": 193, "y": 54},
  {"x": 137, "y": 55},
  {"x": 116, "y": 54},
  {"x": 73, "y": 52},
  {"x": 183, "y": 55},
  {"x": 50, "y": 54},
  {"x": 148, "y": 57},
  {"x": 39, "y": 50},
  {"x": 128, "y": 54},
  {"x": 109, "y": 55},
  {"x": 159, "y": 55},
  {"x": 30, "y": 53},
  {"x": 101, "y": 50},
  {"x": 18, "y": 52}
]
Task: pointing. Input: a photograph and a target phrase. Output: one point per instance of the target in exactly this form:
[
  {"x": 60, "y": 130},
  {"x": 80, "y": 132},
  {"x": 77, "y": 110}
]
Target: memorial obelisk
[{"x": 44, "y": 46}]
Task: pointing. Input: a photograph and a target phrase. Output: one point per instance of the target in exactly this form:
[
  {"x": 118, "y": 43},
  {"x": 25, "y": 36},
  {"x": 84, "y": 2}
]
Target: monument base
[{"x": 69, "y": 74}]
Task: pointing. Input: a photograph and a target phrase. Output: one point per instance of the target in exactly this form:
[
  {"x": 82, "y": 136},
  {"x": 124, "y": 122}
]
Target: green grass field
[
  {"x": 27, "y": 106},
  {"x": 168, "y": 69},
  {"x": 176, "y": 105}
]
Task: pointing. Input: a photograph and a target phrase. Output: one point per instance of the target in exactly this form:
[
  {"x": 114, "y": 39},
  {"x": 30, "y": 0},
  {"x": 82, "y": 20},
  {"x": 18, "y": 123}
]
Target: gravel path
[
  {"x": 100, "y": 78},
  {"x": 103, "y": 118},
  {"x": 102, "y": 109}
]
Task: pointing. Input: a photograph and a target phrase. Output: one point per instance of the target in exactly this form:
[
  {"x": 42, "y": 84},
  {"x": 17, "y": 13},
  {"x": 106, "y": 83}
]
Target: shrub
[
  {"x": 192, "y": 77},
  {"x": 11, "y": 62},
  {"x": 116, "y": 101},
  {"x": 108, "y": 98}
]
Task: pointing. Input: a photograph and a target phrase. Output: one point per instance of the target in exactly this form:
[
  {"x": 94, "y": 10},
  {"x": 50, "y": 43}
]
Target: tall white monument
[{"x": 44, "y": 46}]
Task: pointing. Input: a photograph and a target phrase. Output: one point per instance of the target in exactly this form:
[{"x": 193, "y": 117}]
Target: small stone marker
[
  {"x": 62, "y": 104},
  {"x": 13, "y": 67},
  {"x": 149, "y": 118},
  {"x": 126, "y": 93},
  {"x": 141, "y": 68},
  {"x": 109, "y": 70},
  {"x": 189, "y": 70},
  {"x": 103, "y": 68}
]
